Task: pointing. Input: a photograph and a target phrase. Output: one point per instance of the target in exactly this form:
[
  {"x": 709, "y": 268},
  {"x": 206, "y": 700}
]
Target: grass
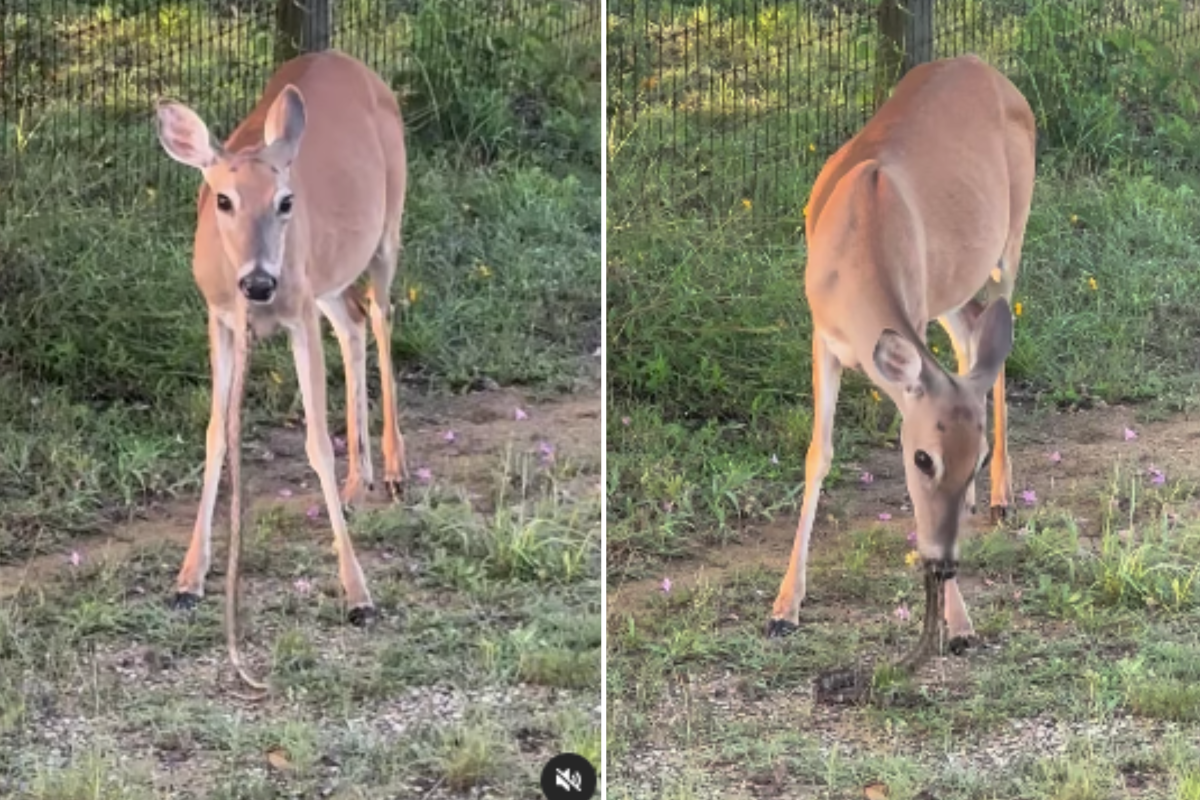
[
  {"x": 1096, "y": 679},
  {"x": 486, "y": 659},
  {"x": 722, "y": 412},
  {"x": 460, "y": 685},
  {"x": 104, "y": 379},
  {"x": 1086, "y": 606},
  {"x": 709, "y": 334}
]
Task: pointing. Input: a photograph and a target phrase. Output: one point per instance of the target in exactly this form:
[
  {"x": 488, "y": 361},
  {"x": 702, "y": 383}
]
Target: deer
[
  {"x": 302, "y": 201},
  {"x": 913, "y": 218}
]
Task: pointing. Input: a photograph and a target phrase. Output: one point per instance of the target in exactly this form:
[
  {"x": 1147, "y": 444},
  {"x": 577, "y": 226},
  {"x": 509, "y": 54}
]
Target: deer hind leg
[
  {"x": 383, "y": 271},
  {"x": 827, "y": 377},
  {"x": 310, "y": 372},
  {"x": 347, "y": 315},
  {"x": 1021, "y": 158},
  {"x": 1001, "y": 466},
  {"x": 190, "y": 583}
]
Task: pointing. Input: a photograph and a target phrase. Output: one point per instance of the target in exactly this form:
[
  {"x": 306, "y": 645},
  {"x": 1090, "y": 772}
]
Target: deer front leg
[
  {"x": 348, "y": 319},
  {"x": 1003, "y": 286},
  {"x": 310, "y": 371},
  {"x": 958, "y": 621},
  {"x": 190, "y": 583},
  {"x": 827, "y": 376}
]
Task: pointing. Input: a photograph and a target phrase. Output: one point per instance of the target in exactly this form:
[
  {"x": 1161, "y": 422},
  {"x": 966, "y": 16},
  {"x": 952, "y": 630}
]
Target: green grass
[
  {"x": 451, "y": 689},
  {"x": 486, "y": 658},
  {"x": 1087, "y": 606},
  {"x": 1099, "y": 676},
  {"x": 717, "y": 104},
  {"x": 709, "y": 363},
  {"x": 103, "y": 373},
  {"x": 709, "y": 334}
]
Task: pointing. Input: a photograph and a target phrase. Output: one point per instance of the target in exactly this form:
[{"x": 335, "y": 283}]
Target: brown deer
[
  {"x": 911, "y": 219},
  {"x": 303, "y": 198}
]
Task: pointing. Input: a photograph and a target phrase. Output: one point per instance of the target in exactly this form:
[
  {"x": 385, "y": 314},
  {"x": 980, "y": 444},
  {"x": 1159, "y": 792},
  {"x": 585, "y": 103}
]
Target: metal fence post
[
  {"x": 906, "y": 39},
  {"x": 301, "y": 26}
]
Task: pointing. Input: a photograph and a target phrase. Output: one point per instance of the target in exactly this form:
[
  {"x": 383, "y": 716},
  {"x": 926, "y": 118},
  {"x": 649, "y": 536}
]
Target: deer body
[
  {"x": 303, "y": 198},
  {"x": 911, "y": 219}
]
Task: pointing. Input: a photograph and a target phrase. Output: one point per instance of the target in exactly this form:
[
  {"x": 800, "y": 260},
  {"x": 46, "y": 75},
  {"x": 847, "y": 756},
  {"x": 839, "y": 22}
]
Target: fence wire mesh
[
  {"x": 79, "y": 78},
  {"x": 726, "y": 102}
]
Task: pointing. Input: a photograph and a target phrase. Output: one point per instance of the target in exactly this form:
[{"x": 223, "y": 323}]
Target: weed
[
  {"x": 104, "y": 394},
  {"x": 1188, "y": 787},
  {"x": 470, "y": 755},
  {"x": 105, "y": 383},
  {"x": 1165, "y": 699}
]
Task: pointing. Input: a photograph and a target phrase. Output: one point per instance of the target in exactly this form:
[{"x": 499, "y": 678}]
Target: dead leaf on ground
[
  {"x": 277, "y": 758},
  {"x": 876, "y": 791}
]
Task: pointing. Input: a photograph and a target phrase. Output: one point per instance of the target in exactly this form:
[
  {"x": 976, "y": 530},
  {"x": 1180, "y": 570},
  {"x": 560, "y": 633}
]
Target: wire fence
[
  {"x": 79, "y": 78},
  {"x": 724, "y": 103}
]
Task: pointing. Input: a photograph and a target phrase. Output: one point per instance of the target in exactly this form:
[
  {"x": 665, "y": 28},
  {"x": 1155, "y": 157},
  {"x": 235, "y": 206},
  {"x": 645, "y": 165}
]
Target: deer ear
[
  {"x": 184, "y": 135},
  {"x": 995, "y": 343},
  {"x": 285, "y": 123}
]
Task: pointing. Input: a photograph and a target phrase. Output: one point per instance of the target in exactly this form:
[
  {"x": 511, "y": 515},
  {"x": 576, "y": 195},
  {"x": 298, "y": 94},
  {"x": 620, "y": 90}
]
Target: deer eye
[
  {"x": 285, "y": 205},
  {"x": 224, "y": 203},
  {"x": 924, "y": 462}
]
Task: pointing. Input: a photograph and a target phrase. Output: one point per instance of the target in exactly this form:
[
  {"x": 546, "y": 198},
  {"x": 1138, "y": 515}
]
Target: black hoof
[
  {"x": 999, "y": 513},
  {"x": 779, "y": 628},
  {"x": 395, "y": 489},
  {"x": 360, "y": 617},
  {"x": 185, "y": 601},
  {"x": 959, "y": 645},
  {"x": 974, "y": 509}
]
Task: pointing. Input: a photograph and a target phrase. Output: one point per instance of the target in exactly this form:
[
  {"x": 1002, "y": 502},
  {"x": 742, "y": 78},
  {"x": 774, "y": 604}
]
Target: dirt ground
[
  {"x": 278, "y": 474},
  {"x": 703, "y": 706},
  {"x": 471, "y": 677},
  {"x": 1091, "y": 445}
]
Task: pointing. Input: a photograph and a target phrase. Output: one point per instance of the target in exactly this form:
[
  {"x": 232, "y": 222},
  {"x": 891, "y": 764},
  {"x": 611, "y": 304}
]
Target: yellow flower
[
  {"x": 806, "y": 210},
  {"x": 812, "y": 148},
  {"x": 413, "y": 293},
  {"x": 875, "y": 395},
  {"x": 912, "y": 558},
  {"x": 276, "y": 378},
  {"x": 1074, "y": 219},
  {"x": 1017, "y": 309},
  {"x": 746, "y": 203},
  {"x": 483, "y": 271},
  {"x": 1092, "y": 284},
  {"x": 935, "y": 350}
]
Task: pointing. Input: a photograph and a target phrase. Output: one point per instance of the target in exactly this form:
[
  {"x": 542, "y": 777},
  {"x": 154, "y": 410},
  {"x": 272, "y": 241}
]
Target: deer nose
[{"x": 258, "y": 286}]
